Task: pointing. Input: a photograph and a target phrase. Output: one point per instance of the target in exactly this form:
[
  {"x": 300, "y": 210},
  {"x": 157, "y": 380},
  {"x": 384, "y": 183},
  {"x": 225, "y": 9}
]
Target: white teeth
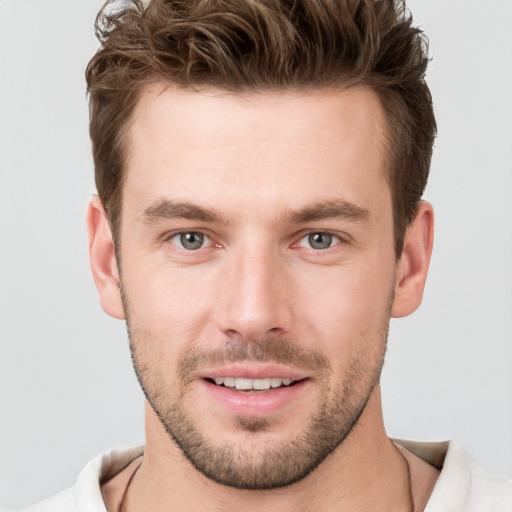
[
  {"x": 261, "y": 384},
  {"x": 275, "y": 383},
  {"x": 243, "y": 384},
  {"x": 248, "y": 384}
]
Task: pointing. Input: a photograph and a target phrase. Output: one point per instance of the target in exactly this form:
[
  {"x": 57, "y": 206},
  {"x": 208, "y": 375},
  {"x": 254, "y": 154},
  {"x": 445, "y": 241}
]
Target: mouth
[
  {"x": 255, "y": 396},
  {"x": 252, "y": 385},
  {"x": 255, "y": 390}
]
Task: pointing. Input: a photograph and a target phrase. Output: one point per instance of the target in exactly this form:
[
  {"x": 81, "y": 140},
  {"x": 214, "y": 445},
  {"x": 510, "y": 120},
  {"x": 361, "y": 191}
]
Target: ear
[
  {"x": 413, "y": 265},
  {"x": 103, "y": 259}
]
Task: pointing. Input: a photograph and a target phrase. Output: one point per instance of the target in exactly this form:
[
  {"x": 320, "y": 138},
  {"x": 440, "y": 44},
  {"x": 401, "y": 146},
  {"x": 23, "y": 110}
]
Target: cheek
[
  {"x": 169, "y": 303},
  {"x": 163, "y": 320},
  {"x": 349, "y": 313},
  {"x": 348, "y": 293}
]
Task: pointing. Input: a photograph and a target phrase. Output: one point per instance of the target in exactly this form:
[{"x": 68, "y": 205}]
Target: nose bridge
[{"x": 255, "y": 294}]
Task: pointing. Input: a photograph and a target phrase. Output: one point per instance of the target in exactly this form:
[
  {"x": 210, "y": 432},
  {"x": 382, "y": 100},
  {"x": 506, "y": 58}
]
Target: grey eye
[
  {"x": 191, "y": 241},
  {"x": 320, "y": 240}
]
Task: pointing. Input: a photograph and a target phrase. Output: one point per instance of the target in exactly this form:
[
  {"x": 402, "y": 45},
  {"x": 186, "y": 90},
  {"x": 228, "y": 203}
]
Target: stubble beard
[{"x": 265, "y": 467}]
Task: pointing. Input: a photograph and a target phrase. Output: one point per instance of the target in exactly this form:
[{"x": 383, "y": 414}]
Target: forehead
[
  {"x": 293, "y": 115},
  {"x": 280, "y": 145}
]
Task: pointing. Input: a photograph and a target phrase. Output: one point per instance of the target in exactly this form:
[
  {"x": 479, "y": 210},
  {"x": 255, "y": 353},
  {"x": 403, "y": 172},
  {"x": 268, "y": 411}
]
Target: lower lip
[{"x": 255, "y": 404}]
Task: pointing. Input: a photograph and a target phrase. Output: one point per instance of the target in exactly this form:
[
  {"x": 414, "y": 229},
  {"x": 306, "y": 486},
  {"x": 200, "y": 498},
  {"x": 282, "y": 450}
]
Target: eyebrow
[
  {"x": 331, "y": 209},
  {"x": 167, "y": 209}
]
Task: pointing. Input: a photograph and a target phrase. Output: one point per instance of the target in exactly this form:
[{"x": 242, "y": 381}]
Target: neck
[{"x": 365, "y": 473}]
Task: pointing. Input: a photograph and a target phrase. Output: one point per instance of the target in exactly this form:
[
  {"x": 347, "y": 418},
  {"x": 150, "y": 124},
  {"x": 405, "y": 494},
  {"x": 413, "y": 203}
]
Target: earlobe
[
  {"x": 103, "y": 259},
  {"x": 412, "y": 267}
]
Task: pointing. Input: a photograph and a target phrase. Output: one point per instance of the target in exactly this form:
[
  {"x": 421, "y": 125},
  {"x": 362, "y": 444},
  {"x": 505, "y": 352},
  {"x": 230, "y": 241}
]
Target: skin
[{"x": 269, "y": 167}]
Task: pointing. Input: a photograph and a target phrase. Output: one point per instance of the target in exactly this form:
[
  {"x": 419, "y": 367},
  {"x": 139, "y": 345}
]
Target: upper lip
[{"x": 254, "y": 371}]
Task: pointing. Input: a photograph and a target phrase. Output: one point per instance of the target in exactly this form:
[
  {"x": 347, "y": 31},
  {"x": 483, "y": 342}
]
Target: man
[{"x": 260, "y": 167}]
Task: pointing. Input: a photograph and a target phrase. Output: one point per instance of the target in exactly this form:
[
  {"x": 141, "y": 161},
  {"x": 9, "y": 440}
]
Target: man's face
[{"x": 257, "y": 273}]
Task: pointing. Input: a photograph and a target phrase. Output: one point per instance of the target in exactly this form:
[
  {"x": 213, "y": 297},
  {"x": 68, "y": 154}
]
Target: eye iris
[
  {"x": 320, "y": 240},
  {"x": 192, "y": 241}
]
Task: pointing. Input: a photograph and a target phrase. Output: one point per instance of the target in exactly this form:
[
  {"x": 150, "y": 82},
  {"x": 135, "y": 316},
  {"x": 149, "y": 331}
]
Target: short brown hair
[{"x": 257, "y": 46}]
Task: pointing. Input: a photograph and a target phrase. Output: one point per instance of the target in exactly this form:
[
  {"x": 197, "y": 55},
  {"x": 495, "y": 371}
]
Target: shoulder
[
  {"x": 86, "y": 495},
  {"x": 463, "y": 486},
  {"x": 62, "y": 502}
]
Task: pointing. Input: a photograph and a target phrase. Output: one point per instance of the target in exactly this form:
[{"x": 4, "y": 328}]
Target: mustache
[{"x": 270, "y": 350}]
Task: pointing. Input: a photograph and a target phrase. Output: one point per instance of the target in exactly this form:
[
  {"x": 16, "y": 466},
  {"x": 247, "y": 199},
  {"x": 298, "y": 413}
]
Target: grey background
[{"x": 67, "y": 390}]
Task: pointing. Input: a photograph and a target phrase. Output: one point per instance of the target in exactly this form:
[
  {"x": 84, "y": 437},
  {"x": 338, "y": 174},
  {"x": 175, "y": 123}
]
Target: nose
[{"x": 256, "y": 294}]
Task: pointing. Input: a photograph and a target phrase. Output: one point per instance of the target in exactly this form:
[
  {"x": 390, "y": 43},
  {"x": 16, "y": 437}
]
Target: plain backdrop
[{"x": 67, "y": 390}]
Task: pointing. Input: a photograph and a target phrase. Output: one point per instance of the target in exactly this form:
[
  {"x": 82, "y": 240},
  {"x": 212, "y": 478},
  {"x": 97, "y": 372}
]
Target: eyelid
[
  {"x": 210, "y": 242},
  {"x": 341, "y": 238}
]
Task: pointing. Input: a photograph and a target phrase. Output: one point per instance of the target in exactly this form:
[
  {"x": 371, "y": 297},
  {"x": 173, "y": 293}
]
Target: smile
[
  {"x": 240, "y": 384},
  {"x": 257, "y": 392}
]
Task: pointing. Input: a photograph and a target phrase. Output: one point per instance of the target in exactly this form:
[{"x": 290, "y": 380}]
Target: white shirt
[{"x": 463, "y": 485}]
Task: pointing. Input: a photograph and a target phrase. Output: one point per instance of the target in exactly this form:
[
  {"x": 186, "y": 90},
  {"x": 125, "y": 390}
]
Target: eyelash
[
  {"x": 207, "y": 238},
  {"x": 334, "y": 238}
]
